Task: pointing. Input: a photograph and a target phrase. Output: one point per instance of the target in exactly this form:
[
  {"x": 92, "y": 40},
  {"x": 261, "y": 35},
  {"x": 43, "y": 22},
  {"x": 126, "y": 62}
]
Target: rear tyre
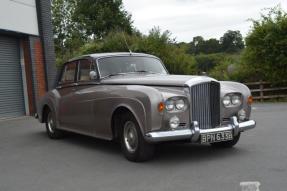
[
  {"x": 227, "y": 144},
  {"x": 51, "y": 126},
  {"x": 133, "y": 144}
]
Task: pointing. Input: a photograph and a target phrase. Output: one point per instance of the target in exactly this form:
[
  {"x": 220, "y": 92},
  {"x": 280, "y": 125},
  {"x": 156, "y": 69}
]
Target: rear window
[{"x": 69, "y": 72}]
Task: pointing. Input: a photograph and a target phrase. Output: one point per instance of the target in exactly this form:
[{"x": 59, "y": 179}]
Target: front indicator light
[
  {"x": 174, "y": 122},
  {"x": 250, "y": 100},
  {"x": 160, "y": 107}
]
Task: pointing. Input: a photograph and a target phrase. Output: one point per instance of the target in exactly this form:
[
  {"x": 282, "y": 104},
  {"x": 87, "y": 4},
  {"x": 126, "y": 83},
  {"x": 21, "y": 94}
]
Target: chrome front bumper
[{"x": 194, "y": 132}]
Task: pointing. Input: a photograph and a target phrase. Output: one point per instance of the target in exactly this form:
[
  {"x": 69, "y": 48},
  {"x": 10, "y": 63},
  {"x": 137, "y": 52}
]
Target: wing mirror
[{"x": 93, "y": 75}]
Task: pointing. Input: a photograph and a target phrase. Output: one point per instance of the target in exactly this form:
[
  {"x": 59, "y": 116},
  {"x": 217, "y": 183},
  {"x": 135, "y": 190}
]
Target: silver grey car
[{"x": 132, "y": 99}]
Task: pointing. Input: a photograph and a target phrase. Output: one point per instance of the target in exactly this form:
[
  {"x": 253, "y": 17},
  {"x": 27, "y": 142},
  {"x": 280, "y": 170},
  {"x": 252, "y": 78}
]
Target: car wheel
[
  {"x": 133, "y": 144},
  {"x": 227, "y": 144},
  {"x": 51, "y": 126}
]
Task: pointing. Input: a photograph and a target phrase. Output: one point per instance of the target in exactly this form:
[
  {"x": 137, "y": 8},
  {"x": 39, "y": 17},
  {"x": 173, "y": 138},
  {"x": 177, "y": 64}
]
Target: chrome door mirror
[{"x": 93, "y": 75}]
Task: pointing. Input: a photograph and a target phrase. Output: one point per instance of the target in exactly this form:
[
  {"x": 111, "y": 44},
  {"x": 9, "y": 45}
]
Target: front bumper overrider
[{"x": 194, "y": 132}]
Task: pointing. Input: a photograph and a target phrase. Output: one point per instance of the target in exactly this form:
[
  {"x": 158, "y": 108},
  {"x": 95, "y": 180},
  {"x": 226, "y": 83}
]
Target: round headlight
[
  {"x": 179, "y": 104},
  {"x": 226, "y": 100},
  {"x": 169, "y": 105},
  {"x": 235, "y": 99},
  {"x": 174, "y": 122}
]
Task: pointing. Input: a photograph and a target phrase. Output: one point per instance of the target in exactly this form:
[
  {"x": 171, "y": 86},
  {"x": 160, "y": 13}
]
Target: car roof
[{"x": 111, "y": 54}]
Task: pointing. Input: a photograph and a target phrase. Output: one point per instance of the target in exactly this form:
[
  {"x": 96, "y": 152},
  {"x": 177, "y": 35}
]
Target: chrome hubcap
[
  {"x": 130, "y": 136},
  {"x": 50, "y": 123}
]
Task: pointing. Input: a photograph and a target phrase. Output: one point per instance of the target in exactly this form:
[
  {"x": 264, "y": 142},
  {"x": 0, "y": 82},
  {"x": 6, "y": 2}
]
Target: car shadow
[
  {"x": 166, "y": 153},
  {"x": 174, "y": 152}
]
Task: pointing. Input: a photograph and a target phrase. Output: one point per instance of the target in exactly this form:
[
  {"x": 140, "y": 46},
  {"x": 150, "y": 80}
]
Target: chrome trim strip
[
  {"x": 198, "y": 80},
  {"x": 194, "y": 132},
  {"x": 247, "y": 125},
  {"x": 169, "y": 135}
]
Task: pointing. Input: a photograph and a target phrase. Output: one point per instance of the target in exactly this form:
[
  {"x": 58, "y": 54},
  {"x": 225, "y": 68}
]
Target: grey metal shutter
[{"x": 11, "y": 86}]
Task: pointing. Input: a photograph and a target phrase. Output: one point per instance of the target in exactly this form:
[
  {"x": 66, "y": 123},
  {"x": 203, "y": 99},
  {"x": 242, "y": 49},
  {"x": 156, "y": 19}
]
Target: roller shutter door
[{"x": 11, "y": 86}]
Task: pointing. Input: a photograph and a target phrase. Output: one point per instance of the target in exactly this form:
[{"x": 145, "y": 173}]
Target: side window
[
  {"x": 86, "y": 67},
  {"x": 68, "y": 75}
]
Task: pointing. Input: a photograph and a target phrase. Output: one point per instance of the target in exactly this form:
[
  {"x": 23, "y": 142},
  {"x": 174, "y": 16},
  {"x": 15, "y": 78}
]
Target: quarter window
[
  {"x": 69, "y": 73},
  {"x": 86, "y": 67}
]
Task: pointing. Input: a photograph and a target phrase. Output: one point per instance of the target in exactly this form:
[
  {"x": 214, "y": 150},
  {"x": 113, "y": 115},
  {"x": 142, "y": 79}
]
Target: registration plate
[{"x": 216, "y": 137}]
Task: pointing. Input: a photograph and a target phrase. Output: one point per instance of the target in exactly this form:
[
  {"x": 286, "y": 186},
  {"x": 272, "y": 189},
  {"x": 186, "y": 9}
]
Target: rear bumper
[{"x": 194, "y": 132}]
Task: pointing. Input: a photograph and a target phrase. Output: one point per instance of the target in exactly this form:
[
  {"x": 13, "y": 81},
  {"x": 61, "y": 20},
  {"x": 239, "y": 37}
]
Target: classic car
[{"x": 132, "y": 99}]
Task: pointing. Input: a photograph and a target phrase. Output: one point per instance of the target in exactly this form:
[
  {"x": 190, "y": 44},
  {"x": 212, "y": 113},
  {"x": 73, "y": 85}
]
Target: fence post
[{"x": 261, "y": 87}]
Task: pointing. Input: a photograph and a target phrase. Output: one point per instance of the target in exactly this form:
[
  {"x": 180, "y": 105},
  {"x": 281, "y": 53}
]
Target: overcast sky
[{"x": 188, "y": 18}]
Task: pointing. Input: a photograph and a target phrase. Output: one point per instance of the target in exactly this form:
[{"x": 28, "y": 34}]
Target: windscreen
[{"x": 130, "y": 64}]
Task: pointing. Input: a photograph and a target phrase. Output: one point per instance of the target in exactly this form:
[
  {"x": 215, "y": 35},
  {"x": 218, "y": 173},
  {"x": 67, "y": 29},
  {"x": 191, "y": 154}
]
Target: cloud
[{"x": 189, "y": 18}]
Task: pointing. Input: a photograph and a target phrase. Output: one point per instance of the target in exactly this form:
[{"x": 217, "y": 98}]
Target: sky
[{"x": 188, "y": 18}]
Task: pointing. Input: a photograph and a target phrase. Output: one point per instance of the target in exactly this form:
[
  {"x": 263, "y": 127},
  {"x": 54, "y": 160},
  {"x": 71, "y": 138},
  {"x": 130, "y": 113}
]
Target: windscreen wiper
[
  {"x": 143, "y": 71},
  {"x": 115, "y": 74}
]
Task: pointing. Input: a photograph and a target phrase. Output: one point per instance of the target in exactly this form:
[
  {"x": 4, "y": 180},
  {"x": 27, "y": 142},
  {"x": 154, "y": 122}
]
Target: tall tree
[
  {"x": 66, "y": 33},
  {"x": 266, "y": 46},
  {"x": 232, "y": 41},
  {"x": 199, "y": 45},
  {"x": 96, "y": 18},
  {"x": 78, "y": 21}
]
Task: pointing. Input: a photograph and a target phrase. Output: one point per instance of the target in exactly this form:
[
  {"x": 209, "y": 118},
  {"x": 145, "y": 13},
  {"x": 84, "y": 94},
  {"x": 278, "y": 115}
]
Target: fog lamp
[
  {"x": 241, "y": 115},
  {"x": 174, "y": 122}
]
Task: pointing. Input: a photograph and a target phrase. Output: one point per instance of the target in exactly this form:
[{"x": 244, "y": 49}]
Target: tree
[
  {"x": 199, "y": 45},
  {"x": 67, "y": 36},
  {"x": 211, "y": 46},
  {"x": 232, "y": 41},
  {"x": 266, "y": 46},
  {"x": 195, "y": 45},
  {"x": 77, "y": 22},
  {"x": 96, "y": 18}
]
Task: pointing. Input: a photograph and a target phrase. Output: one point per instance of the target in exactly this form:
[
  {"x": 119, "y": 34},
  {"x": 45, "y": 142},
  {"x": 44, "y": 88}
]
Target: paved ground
[{"x": 29, "y": 161}]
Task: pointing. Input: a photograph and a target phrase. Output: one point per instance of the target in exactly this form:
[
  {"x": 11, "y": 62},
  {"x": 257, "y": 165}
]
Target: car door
[
  {"x": 66, "y": 88},
  {"x": 84, "y": 98}
]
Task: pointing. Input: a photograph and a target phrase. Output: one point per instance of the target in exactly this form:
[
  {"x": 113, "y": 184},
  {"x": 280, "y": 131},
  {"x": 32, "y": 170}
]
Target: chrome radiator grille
[{"x": 205, "y": 104}]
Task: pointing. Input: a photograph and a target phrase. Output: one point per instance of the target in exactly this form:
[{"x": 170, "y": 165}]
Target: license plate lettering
[{"x": 216, "y": 137}]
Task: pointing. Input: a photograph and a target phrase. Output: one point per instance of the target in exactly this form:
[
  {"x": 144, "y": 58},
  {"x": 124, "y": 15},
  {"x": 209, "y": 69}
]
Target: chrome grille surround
[{"x": 205, "y": 104}]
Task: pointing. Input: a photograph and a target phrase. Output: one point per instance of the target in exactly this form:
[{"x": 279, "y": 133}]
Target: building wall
[
  {"x": 34, "y": 31},
  {"x": 19, "y": 16},
  {"x": 46, "y": 33}
]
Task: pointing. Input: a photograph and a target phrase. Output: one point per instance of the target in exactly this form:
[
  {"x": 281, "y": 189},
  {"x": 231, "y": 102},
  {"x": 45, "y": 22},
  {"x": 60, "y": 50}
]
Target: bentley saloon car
[{"x": 132, "y": 99}]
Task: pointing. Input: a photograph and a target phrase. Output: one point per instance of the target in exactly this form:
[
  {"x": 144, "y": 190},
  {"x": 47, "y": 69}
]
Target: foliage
[
  {"x": 205, "y": 62},
  {"x": 266, "y": 46},
  {"x": 76, "y": 22},
  {"x": 96, "y": 18},
  {"x": 66, "y": 35},
  {"x": 156, "y": 42},
  {"x": 93, "y": 26},
  {"x": 231, "y": 41},
  {"x": 228, "y": 68},
  {"x": 199, "y": 45}
]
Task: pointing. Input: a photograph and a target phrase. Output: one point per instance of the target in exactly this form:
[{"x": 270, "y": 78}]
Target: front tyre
[
  {"x": 51, "y": 126},
  {"x": 133, "y": 144},
  {"x": 227, "y": 144}
]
